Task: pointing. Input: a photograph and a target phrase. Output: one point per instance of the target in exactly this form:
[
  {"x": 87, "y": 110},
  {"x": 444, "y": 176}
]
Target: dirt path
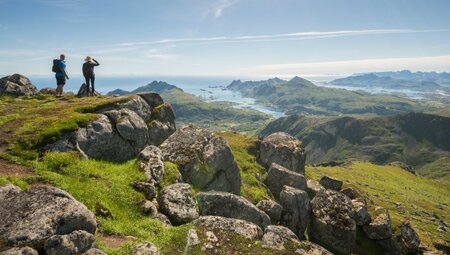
[
  {"x": 12, "y": 170},
  {"x": 114, "y": 241}
]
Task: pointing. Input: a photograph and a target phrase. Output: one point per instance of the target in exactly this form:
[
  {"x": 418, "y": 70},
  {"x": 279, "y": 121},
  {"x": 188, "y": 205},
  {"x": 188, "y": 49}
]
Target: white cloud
[
  {"x": 220, "y": 6},
  {"x": 347, "y": 67},
  {"x": 280, "y": 37}
]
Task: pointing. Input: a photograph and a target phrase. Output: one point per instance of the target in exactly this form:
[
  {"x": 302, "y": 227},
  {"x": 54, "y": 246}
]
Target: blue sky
[{"x": 240, "y": 38}]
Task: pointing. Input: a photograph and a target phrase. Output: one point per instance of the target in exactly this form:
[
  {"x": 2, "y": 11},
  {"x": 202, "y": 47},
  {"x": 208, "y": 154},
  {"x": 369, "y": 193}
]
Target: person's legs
[
  {"x": 92, "y": 85},
  {"x": 87, "y": 85}
]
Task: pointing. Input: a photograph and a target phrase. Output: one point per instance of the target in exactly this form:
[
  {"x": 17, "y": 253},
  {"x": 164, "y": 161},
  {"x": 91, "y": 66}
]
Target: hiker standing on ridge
[
  {"x": 59, "y": 68},
  {"x": 89, "y": 75}
]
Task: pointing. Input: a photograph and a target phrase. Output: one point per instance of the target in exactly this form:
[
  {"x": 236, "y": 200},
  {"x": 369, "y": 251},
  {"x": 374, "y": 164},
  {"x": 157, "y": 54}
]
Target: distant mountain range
[
  {"x": 302, "y": 96},
  {"x": 420, "y": 81},
  {"x": 416, "y": 139}
]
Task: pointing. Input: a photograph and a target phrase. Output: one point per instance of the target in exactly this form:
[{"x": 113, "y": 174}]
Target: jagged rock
[
  {"x": 296, "y": 210},
  {"x": 17, "y": 85},
  {"x": 283, "y": 149},
  {"x": 247, "y": 229},
  {"x": 152, "y": 99},
  {"x": 231, "y": 206},
  {"x": 360, "y": 212},
  {"x": 350, "y": 192},
  {"x": 162, "y": 124},
  {"x": 204, "y": 159},
  {"x": 84, "y": 91},
  {"x": 311, "y": 249},
  {"x": 148, "y": 208},
  {"x": 332, "y": 224},
  {"x": 54, "y": 212},
  {"x": 8, "y": 190},
  {"x": 47, "y": 91},
  {"x": 271, "y": 208},
  {"x": 330, "y": 183},
  {"x": 146, "y": 248},
  {"x": 148, "y": 189},
  {"x": 74, "y": 243},
  {"x": 410, "y": 238},
  {"x": 102, "y": 139},
  {"x": 94, "y": 251},
  {"x": 312, "y": 187},
  {"x": 390, "y": 246},
  {"x": 122, "y": 130},
  {"x": 20, "y": 251},
  {"x": 163, "y": 219},
  {"x": 150, "y": 161},
  {"x": 177, "y": 202},
  {"x": 275, "y": 237},
  {"x": 381, "y": 226},
  {"x": 279, "y": 176}
]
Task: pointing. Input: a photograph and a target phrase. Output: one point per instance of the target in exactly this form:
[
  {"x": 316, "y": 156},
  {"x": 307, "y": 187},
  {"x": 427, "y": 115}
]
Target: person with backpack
[
  {"x": 89, "y": 75},
  {"x": 59, "y": 68}
]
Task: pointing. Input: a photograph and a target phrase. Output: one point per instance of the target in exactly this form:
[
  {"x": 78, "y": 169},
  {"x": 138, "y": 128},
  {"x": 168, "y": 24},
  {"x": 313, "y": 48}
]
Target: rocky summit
[{"x": 17, "y": 85}]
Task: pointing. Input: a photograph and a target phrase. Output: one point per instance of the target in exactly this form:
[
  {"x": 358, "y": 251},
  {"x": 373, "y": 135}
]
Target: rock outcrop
[
  {"x": 244, "y": 228},
  {"x": 20, "y": 251},
  {"x": 380, "y": 227},
  {"x": 177, "y": 202},
  {"x": 150, "y": 162},
  {"x": 330, "y": 183},
  {"x": 146, "y": 248},
  {"x": 361, "y": 214},
  {"x": 54, "y": 212},
  {"x": 121, "y": 131},
  {"x": 271, "y": 208},
  {"x": 283, "y": 149},
  {"x": 332, "y": 224},
  {"x": 410, "y": 239},
  {"x": 279, "y": 176},
  {"x": 275, "y": 237},
  {"x": 204, "y": 160},
  {"x": 74, "y": 243},
  {"x": 296, "y": 210},
  {"x": 231, "y": 206},
  {"x": 17, "y": 85},
  {"x": 313, "y": 187},
  {"x": 84, "y": 91}
]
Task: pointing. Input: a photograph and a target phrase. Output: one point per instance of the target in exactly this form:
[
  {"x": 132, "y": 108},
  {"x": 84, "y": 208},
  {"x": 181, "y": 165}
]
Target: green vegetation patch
[{"x": 252, "y": 173}]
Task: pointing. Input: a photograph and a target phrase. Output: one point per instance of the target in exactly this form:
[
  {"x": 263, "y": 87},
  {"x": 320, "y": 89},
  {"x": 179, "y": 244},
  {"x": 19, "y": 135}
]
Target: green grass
[
  {"x": 401, "y": 192},
  {"x": 439, "y": 169},
  {"x": 243, "y": 148}
]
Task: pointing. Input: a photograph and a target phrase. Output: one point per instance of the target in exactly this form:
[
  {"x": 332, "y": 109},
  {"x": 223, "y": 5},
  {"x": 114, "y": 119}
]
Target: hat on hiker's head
[{"x": 88, "y": 58}]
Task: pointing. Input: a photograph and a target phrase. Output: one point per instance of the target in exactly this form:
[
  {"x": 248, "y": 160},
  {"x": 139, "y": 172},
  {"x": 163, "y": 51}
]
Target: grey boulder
[
  {"x": 150, "y": 161},
  {"x": 409, "y": 237},
  {"x": 332, "y": 224},
  {"x": 271, "y": 208},
  {"x": 146, "y": 248},
  {"x": 275, "y": 237},
  {"x": 307, "y": 247},
  {"x": 162, "y": 124},
  {"x": 33, "y": 216},
  {"x": 361, "y": 214},
  {"x": 350, "y": 192},
  {"x": 330, "y": 183},
  {"x": 94, "y": 251},
  {"x": 244, "y": 228},
  {"x": 296, "y": 210},
  {"x": 177, "y": 202},
  {"x": 231, "y": 206},
  {"x": 279, "y": 176},
  {"x": 8, "y": 190},
  {"x": 148, "y": 189},
  {"x": 17, "y": 85},
  {"x": 312, "y": 187},
  {"x": 148, "y": 208},
  {"x": 204, "y": 160},
  {"x": 84, "y": 91},
  {"x": 74, "y": 243},
  {"x": 20, "y": 251},
  {"x": 381, "y": 225},
  {"x": 283, "y": 149}
]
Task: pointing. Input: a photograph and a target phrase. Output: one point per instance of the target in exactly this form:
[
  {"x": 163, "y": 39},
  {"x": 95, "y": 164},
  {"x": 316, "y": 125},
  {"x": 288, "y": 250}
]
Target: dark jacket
[{"x": 88, "y": 68}]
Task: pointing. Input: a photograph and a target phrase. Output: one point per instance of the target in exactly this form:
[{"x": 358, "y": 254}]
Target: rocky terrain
[{"x": 113, "y": 175}]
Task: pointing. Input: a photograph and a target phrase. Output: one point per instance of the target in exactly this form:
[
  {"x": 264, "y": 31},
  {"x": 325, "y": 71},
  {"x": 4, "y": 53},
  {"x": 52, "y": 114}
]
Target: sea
[{"x": 212, "y": 88}]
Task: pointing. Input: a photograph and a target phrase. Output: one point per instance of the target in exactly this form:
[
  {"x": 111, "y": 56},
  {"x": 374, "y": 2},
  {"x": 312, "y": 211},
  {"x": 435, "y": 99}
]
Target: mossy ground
[{"x": 425, "y": 202}]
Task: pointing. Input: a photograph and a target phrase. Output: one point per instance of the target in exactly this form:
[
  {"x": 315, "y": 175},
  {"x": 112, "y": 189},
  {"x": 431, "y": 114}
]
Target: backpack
[{"x": 55, "y": 67}]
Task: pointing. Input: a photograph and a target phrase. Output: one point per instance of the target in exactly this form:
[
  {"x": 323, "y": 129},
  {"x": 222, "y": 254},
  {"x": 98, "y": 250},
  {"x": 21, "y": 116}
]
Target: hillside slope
[
  {"x": 413, "y": 138},
  {"x": 302, "y": 96}
]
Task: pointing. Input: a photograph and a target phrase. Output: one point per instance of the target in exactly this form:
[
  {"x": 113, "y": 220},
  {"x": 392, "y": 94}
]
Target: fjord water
[{"x": 210, "y": 88}]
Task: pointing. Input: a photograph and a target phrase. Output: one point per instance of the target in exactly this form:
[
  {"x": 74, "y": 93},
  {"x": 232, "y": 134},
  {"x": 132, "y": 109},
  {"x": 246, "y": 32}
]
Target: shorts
[{"x": 60, "y": 80}]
